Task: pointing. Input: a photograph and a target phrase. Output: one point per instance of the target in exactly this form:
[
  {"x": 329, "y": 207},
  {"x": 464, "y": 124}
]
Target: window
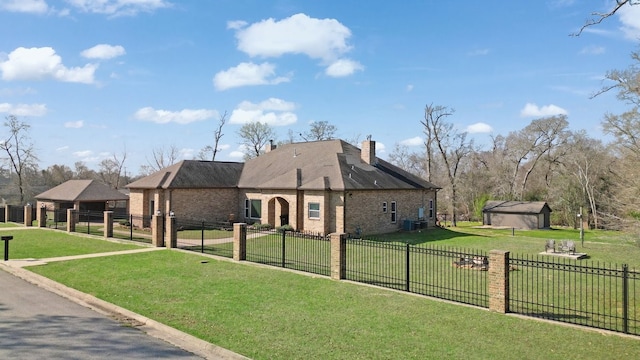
[
  {"x": 314, "y": 210},
  {"x": 384, "y": 207},
  {"x": 253, "y": 209},
  {"x": 431, "y": 209},
  {"x": 393, "y": 212}
]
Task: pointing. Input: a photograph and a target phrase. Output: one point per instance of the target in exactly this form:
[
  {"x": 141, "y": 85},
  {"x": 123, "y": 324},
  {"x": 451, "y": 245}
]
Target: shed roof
[
  {"x": 325, "y": 165},
  {"x": 192, "y": 174},
  {"x": 82, "y": 190},
  {"x": 515, "y": 207}
]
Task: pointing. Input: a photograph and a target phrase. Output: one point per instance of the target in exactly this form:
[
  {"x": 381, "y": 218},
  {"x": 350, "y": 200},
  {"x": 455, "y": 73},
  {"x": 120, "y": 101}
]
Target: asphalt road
[{"x": 37, "y": 324}]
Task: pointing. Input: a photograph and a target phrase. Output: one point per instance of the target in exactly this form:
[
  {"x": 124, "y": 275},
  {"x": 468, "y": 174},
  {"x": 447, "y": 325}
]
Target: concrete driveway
[{"x": 38, "y": 324}]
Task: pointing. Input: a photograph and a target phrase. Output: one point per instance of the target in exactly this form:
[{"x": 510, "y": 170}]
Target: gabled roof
[
  {"x": 324, "y": 165},
  {"x": 82, "y": 190},
  {"x": 192, "y": 174},
  {"x": 515, "y": 207}
]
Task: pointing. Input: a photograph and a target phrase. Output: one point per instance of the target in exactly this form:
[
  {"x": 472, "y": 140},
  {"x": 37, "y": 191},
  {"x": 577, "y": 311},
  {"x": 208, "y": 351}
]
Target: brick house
[{"x": 319, "y": 186}]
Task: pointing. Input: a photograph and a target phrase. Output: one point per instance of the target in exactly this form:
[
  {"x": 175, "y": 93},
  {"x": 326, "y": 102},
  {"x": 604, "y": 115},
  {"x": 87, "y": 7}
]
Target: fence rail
[
  {"x": 309, "y": 252},
  {"x": 214, "y": 238},
  {"x": 446, "y": 273},
  {"x": 597, "y": 295}
]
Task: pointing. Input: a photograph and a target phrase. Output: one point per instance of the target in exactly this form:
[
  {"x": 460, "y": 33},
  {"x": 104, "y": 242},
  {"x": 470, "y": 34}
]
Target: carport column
[
  {"x": 42, "y": 216},
  {"x": 499, "y": 281},
  {"x": 157, "y": 236},
  {"x": 71, "y": 220},
  {"x": 172, "y": 231},
  {"x": 108, "y": 224},
  {"x": 239, "y": 241},
  {"x": 338, "y": 256},
  {"x": 6, "y": 213},
  {"x": 28, "y": 215}
]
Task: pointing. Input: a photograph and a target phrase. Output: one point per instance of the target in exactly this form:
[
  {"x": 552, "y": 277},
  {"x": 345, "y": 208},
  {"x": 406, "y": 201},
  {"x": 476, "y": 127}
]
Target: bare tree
[
  {"x": 111, "y": 170},
  {"x": 20, "y": 154},
  {"x": 599, "y": 17},
  {"x": 217, "y": 135},
  {"x": 452, "y": 146},
  {"x": 254, "y": 136},
  {"x": 82, "y": 171},
  {"x": 55, "y": 175},
  {"x": 432, "y": 115},
  {"x": 319, "y": 130},
  {"x": 161, "y": 158}
]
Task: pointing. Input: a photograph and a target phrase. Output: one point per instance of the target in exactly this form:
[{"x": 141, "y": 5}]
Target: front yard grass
[
  {"x": 271, "y": 314},
  {"x": 39, "y": 243}
]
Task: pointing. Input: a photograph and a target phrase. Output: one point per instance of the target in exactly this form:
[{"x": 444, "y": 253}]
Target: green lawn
[
  {"x": 270, "y": 314},
  {"x": 39, "y": 243},
  {"x": 601, "y": 246},
  {"x": 10, "y": 225}
]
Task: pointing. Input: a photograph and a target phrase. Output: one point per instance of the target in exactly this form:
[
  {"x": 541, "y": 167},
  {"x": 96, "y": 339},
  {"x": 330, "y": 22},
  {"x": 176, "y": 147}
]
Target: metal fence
[
  {"x": 205, "y": 237},
  {"x": 446, "y": 273},
  {"x": 56, "y": 219},
  {"x": 309, "y": 252},
  {"x": 90, "y": 222},
  {"x": 124, "y": 227},
  {"x": 603, "y": 296}
]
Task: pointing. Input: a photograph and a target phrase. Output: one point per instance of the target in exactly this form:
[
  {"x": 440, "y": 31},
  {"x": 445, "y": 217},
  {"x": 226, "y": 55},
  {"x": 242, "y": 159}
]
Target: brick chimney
[
  {"x": 270, "y": 146},
  {"x": 368, "y": 152}
]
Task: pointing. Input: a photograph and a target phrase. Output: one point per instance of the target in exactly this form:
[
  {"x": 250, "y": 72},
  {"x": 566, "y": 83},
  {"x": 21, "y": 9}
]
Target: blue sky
[{"x": 95, "y": 78}]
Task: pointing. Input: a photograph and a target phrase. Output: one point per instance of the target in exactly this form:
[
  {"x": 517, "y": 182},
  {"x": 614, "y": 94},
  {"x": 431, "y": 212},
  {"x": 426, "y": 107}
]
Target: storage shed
[{"x": 517, "y": 214}]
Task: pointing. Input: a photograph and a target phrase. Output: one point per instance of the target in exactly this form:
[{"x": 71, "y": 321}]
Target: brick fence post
[
  {"x": 239, "y": 241},
  {"x": 499, "y": 281},
  {"x": 108, "y": 224},
  {"x": 72, "y": 218},
  {"x": 338, "y": 256},
  {"x": 157, "y": 231},
  {"x": 42, "y": 216},
  {"x": 28, "y": 215},
  {"x": 172, "y": 231}
]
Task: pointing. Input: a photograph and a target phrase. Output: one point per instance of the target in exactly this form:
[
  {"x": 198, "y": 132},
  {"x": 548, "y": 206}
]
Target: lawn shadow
[{"x": 422, "y": 236}]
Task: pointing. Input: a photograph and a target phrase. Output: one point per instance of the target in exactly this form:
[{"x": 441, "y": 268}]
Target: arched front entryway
[{"x": 278, "y": 212}]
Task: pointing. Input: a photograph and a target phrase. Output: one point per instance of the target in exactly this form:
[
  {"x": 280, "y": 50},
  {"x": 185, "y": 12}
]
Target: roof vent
[{"x": 295, "y": 153}]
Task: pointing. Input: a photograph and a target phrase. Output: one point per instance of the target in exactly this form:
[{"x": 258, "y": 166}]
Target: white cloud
[
  {"x": 23, "y": 109},
  {"x": 299, "y": 34},
  {"x": 592, "y": 50},
  {"x": 275, "y": 112},
  {"x": 629, "y": 16},
  {"x": 24, "y": 6},
  {"x": 343, "y": 67},
  {"x": 479, "y": 128},
  {"x": 409, "y": 88},
  {"x": 380, "y": 148},
  {"x": 62, "y": 148},
  {"x": 323, "y": 39},
  {"x": 103, "y": 51},
  {"x": 119, "y": 7},
  {"x": 187, "y": 153},
  {"x": 246, "y": 74},
  {"x": 184, "y": 116},
  {"x": 83, "y": 153},
  {"x": 414, "y": 141},
  {"x": 479, "y": 52},
  {"x": 43, "y": 63},
  {"x": 74, "y": 124},
  {"x": 533, "y": 110}
]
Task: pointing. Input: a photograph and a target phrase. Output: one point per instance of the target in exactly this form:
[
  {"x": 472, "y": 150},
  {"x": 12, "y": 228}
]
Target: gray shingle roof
[
  {"x": 82, "y": 190},
  {"x": 515, "y": 207},
  {"x": 323, "y": 165},
  {"x": 192, "y": 174}
]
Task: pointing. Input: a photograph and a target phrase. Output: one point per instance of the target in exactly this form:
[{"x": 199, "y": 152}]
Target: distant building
[{"x": 517, "y": 214}]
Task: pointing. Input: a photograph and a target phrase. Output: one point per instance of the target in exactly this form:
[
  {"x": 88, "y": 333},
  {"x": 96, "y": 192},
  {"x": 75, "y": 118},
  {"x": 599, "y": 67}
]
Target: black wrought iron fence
[
  {"x": 90, "y": 222},
  {"x": 206, "y": 237},
  {"x": 124, "y": 227},
  {"x": 603, "y": 296},
  {"x": 56, "y": 219},
  {"x": 446, "y": 273},
  {"x": 309, "y": 252}
]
